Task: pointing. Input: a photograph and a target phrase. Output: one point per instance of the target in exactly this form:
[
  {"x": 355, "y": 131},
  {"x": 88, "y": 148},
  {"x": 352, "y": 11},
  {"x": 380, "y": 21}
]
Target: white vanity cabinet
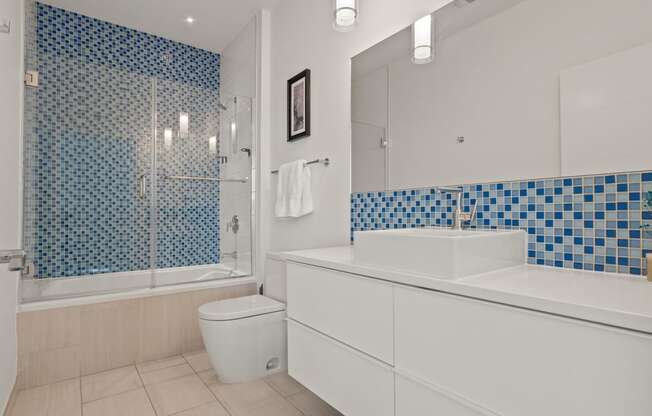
[
  {"x": 518, "y": 362},
  {"x": 355, "y": 310},
  {"x": 341, "y": 338},
  {"x": 371, "y": 347},
  {"x": 349, "y": 380}
]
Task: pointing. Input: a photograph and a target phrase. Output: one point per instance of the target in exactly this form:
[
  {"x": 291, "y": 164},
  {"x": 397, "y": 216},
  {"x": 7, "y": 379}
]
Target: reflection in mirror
[{"x": 517, "y": 89}]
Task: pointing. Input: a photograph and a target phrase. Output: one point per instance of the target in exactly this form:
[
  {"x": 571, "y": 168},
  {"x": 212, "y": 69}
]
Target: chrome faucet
[{"x": 459, "y": 218}]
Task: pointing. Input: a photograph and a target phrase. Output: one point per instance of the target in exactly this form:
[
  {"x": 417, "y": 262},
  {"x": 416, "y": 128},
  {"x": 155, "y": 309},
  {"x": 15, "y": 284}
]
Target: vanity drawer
[
  {"x": 352, "y": 382},
  {"x": 519, "y": 362},
  {"x": 354, "y": 310},
  {"x": 415, "y": 398}
]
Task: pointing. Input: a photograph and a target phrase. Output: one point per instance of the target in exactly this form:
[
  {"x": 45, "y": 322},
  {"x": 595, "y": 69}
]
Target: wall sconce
[
  {"x": 422, "y": 40},
  {"x": 233, "y": 132},
  {"x": 346, "y": 15},
  {"x": 167, "y": 138},
  {"x": 212, "y": 145},
  {"x": 184, "y": 121}
]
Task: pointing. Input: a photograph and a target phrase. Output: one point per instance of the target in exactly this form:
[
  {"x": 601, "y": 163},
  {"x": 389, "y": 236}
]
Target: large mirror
[{"x": 516, "y": 89}]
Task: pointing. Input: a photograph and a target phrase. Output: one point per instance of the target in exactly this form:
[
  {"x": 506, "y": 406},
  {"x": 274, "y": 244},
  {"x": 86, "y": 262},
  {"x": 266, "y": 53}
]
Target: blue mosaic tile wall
[
  {"x": 598, "y": 223},
  {"x": 88, "y": 140}
]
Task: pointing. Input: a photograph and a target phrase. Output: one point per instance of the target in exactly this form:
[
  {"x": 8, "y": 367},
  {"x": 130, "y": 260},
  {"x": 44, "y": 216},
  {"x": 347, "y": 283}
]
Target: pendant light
[
  {"x": 346, "y": 15},
  {"x": 422, "y": 40}
]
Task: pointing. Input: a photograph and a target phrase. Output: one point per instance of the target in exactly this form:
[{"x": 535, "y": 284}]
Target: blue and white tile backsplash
[
  {"x": 88, "y": 139},
  {"x": 597, "y": 223}
]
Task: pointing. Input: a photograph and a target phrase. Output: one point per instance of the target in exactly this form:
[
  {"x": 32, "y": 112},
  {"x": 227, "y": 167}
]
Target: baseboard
[{"x": 12, "y": 399}]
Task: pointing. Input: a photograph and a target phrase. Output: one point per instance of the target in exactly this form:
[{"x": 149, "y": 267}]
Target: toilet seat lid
[{"x": 238, "y": 308}]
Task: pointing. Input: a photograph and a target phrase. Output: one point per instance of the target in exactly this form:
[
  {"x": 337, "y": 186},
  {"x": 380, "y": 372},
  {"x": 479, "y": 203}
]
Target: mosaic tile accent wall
[
  {"x": 88, "y": 140},
  {"x": 599, "y": 223}
]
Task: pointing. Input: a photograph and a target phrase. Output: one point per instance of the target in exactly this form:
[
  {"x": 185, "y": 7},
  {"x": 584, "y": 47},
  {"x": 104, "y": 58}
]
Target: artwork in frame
[{"x": 299, "y": 106}]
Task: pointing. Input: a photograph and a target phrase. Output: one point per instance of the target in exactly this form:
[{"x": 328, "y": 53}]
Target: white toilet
[{"x": 245, "y": 337}]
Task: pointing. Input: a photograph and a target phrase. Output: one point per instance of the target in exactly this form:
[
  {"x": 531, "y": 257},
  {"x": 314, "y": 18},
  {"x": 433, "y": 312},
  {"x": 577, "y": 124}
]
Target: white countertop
[{"x": 612, "y": 299}]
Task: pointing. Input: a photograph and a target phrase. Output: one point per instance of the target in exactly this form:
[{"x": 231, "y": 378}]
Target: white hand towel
[{"x": 293, "y": 192}]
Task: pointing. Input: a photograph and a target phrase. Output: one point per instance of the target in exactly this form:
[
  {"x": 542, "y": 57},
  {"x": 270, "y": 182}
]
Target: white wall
[
  {"x": 303, "y": 37},
  {"x": 497, "y": 84},
  {"x": 10, "y": 105}
]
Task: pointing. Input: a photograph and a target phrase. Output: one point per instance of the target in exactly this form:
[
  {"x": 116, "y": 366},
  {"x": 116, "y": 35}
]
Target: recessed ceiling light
[{"x": 190, "y": 19}]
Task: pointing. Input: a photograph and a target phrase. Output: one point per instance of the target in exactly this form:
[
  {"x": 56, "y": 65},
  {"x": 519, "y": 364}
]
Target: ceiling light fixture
[
  {"x": 422, "y": 40},
  {"x": 184, "y": 121},
  {"x": 190, "y": 20},
  {"x": 346, "y": 15},
  {"x": 167, "y": 138},
  {"x": 212, "y": 145}
]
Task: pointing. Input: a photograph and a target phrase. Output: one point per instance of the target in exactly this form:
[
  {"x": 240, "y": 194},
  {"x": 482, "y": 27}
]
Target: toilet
[{"x": 245, "y": 337}]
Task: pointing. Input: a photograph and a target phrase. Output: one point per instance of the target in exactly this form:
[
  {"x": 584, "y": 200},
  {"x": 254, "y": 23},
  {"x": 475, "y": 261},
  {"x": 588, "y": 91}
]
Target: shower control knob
[{"x": 234, "y": 224}]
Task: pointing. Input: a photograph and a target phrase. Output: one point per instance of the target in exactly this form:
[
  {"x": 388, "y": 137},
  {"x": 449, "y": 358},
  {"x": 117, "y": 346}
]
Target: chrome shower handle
[
  {"x": 15, "y": 258},
  {"x": 142, "y": 186}
]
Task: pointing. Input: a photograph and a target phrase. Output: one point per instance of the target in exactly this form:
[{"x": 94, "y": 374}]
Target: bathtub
[{"x": 39, "y": 294}]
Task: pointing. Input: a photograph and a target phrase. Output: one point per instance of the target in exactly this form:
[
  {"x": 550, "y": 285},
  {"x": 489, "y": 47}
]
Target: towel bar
[
  {"x": 326, "y": 161},
  {"x": 207, "y": 179}
]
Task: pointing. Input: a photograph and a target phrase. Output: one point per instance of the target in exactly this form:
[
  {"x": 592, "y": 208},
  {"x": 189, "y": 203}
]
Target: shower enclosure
[{"x": 137, "y": 168}]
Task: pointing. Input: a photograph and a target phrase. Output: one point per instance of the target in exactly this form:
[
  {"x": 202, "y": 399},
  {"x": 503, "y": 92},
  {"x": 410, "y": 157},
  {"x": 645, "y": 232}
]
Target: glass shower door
[
  {"x": 236, "y": 154},
  {"x": 202, "y": 186},
  {"x": 87, "y": 157}
]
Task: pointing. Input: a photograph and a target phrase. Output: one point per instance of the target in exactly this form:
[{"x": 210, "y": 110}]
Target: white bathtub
[{"x": 64, "y": 291}]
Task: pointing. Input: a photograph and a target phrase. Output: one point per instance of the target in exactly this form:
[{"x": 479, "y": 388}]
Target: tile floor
[{"x": 181, "y": 386}]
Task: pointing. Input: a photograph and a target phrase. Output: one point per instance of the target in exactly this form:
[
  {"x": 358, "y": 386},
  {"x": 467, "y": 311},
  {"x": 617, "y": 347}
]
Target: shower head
[{"x": 222, "y": 106}]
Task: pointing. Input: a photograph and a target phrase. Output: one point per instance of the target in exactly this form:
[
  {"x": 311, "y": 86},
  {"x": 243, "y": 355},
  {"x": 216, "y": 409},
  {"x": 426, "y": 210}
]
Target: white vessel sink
[{"x": 440, "y": 252}]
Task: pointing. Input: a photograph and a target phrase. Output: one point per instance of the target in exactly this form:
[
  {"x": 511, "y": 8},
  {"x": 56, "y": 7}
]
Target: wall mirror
[{"x": 516, "y": 89}]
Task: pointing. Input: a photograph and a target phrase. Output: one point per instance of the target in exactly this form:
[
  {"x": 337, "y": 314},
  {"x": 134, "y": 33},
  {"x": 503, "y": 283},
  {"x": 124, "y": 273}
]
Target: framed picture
[{"x": 299, "y": 106}]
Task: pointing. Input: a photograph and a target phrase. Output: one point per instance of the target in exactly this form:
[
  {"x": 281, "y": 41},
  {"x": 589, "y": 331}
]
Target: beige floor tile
[
  {"x": 109, "y": 383},
  {"x": 208, "y": 377},
  {"x": 31, "y": 402},
  {"x": 255, "y": 398},
  {"x": 199, "y": 361},
  {"x": 58, "y": 399},
  {"x": 241, "y": 394},
  {"x": 210, "y": 409},
  {"x": 165, "y": 374},
  {"x": 180, "y": 394},
  {"x": 160, "y": 364},
  {"x": 131, "y": 403},
  {"x": 284, "y": 384},
  {"x": 311, "y": 405},
  {"x": 276, "y": 407}
]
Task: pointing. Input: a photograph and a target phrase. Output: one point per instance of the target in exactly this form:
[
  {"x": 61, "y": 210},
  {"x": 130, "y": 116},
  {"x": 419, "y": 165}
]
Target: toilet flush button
[{"x": 273, "y": 364}]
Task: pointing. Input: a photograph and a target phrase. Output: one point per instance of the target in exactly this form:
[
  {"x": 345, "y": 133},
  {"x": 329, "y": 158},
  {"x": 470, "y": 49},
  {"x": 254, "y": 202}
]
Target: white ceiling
[{"x": 217, "y": 21}]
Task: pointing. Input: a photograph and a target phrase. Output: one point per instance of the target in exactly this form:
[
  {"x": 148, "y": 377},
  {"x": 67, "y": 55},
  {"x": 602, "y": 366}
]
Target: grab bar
[{"x": 207, "y": 179}]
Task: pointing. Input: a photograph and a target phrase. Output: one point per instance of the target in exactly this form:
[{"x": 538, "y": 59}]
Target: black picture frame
[{"x": 298, "y": 123}]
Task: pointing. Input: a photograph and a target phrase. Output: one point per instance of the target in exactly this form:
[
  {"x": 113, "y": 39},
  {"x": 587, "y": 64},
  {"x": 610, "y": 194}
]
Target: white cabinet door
[
  {"x": 352, "y": 382},
  {"x": 354, "y": 310},
  {"x": 414, "y": 398},
  {"x": 517, "y": 362}
]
